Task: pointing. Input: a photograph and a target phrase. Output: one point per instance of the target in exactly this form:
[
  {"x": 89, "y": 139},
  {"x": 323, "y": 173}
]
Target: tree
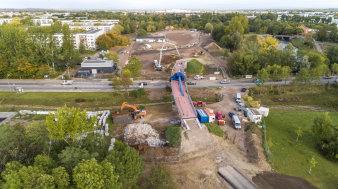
[
  {"x": 44, "y": 163},
  {"x": 160, "y": 177},
  {"x": 71, "y": 156},
  {"x": 127, "y": 162},
  {"x": 134, "y": 66},
  {"x": 268, "y": 44},
  {"x": 69, "y": 124},
  {"x": 125, "y": 79},
  {"x": 332, "y": 54},
  {"x": 61, "y": 177},
  {"x": 22, "y": 143},
  {"x": 299, "y": 133},
  {"x": 118, "y": 29},
  {"x": 334, "y": 68},
  {"x": 113, "y": 56},
  {"x": 82, "y": 48},
  {"x": 303, "y": 76},
  {"x": 104, "y": 42},
  {"x": 263, "y": 75},
  {"x": 116, "y": 83},
  {"x": 313, "y": 164},
  {"x": 322, "y": 128},
  {"x": 208, "y": 27},
  {"x": 90, "y": 174},
  {"x": 285, "y": 73},
  {"x": 142, "y": 33}
]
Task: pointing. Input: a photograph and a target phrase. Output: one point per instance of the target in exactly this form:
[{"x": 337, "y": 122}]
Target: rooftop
[
  {"x": 96, "y": 63},
  {"x": 92, "y": 31}
]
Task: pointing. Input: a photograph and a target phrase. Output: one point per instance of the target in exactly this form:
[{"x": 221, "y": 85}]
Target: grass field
[
  {"x": 314, "y": 95},
  {"x": 88, "y": 100},
  {"x": 291, "y": 158}
]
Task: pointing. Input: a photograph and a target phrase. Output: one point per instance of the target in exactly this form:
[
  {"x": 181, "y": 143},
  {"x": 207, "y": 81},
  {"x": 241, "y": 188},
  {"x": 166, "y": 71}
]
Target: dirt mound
[
  {"x": 279, "y": 181},
  {"x": 213, "y": 47}
]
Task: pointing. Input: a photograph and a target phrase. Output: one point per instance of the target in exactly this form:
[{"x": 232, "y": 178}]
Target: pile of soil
[{"x": 279, "y": 181}]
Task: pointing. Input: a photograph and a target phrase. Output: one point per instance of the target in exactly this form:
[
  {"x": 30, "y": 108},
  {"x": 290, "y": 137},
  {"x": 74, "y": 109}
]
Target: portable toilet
[
  {"x": 202, "y": 116},
  {"x": 210, "y": 114}
]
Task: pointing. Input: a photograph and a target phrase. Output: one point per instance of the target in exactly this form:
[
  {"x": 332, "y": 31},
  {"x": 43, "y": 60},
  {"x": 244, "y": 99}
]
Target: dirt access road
[{"x": 241, "y": 150}]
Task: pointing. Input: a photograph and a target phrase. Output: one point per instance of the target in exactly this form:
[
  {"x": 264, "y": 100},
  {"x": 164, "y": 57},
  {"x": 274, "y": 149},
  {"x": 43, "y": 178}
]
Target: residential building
[
  {"x": 5, "y": 20},
  {"x": 59, "y": 39},
  {"x": 87, "y": 38},
  {"x": 42, "y": 22}
]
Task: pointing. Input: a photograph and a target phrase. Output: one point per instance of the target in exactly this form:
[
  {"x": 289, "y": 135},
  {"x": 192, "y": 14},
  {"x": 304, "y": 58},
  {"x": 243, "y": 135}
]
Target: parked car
[
  {"x": 199, "y": 104},
  {"x": 231, "y": 114},
  {"x": 144, "y": 83},
  {"x": 225, "y": 81},
  {"x": 238, "y": 109},
  {"x": 197, "y": 77},
  {"x": 244, "y": 90},
  {"x": 175, "y": 122},
  {"x": 191, "y": 83},
  {"x": 257, "y": 81},
  {"x": 327, "y": 77}
]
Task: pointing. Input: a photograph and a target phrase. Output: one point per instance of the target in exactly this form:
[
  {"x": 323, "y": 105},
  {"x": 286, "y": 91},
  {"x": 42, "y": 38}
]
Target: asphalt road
[{"x": 104, "y": 86}]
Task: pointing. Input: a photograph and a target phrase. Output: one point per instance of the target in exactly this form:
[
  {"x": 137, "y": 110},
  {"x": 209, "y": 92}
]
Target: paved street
[{"x": 104, "y": 86}]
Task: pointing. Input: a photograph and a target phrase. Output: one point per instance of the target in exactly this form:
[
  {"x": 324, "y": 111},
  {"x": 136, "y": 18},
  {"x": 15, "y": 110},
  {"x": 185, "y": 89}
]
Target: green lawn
[
  {"x": 88, "y": 100},
  {"x": 304, "y": 95},
  {"x": 291, "y": 158}
]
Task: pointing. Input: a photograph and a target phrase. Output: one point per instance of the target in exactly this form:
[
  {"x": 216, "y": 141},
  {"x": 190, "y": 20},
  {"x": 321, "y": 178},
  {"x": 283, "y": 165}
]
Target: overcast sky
[{"x": 169, "y": 4}]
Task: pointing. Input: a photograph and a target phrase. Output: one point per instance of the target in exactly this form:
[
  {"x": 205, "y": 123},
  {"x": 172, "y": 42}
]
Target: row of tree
[
  {"x": 35, "y": 53},
  {"x": 111, "y": 39}
]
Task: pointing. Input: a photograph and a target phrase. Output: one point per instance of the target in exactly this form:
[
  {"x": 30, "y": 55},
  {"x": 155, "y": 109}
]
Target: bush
[
  {"x": 173, "y": 135},
  {"x": 168, "y": 88},
  {"x": 213, "y": 128},
  {"x": 195, "y": 67},
  {"x": 160, "y": 177},
  {"x": 138, "y": 93}
]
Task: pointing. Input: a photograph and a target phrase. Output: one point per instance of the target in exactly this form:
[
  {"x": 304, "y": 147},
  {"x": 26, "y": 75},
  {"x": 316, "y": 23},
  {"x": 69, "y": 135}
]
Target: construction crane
[
  {"x": 136, "y": 113},
  {"x": 158, "y": 66}
]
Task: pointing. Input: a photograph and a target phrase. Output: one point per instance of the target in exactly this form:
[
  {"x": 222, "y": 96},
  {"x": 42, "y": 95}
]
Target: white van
[
  {"x": 238, "y": 98},
  {"x": 236, "y": 122}
]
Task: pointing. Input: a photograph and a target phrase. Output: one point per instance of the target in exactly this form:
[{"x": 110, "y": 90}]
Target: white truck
[
  {"x": 66, "y": 82},
  {"x": 198, "y": 77},
  {"x": 238, "y": 98},
  {"x": 236, "y": 122}
]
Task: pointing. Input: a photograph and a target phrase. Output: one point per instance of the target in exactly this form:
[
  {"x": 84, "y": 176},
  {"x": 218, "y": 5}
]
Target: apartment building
[
  {"x": 42, "y": 22},
  {"x": 5, "y": 20}
]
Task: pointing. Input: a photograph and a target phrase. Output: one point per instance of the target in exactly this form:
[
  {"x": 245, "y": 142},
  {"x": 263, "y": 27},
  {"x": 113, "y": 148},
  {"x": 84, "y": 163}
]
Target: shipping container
[
  {"x": 202, "y": 116},
  {"x": 210, "y": 114}
]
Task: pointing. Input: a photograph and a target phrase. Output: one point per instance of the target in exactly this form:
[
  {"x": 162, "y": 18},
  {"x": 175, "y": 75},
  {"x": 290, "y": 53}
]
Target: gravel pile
[{"x": 142, "y": 134}]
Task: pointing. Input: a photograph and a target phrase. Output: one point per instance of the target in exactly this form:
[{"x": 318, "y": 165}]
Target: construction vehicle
[
  {"x": 219, "y": 115},
  {"x": 221, "y": 122},
  {"x": 199, "y": 104},
  {"x": 157, "y": 64},
  {"x": 136, "y": 113}
]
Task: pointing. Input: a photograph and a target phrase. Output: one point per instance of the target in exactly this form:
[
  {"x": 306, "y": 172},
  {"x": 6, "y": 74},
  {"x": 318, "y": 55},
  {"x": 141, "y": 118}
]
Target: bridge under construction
[{"x": 182, "y": 98}]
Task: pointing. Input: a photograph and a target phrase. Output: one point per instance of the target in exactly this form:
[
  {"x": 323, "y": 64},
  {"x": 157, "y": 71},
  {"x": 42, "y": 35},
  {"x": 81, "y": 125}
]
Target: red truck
[{"x": 199, "y": 104}]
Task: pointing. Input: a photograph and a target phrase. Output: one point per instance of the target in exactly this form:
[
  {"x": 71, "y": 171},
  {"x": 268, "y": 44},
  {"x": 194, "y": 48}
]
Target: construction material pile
[{"x": 142, "y": 134}]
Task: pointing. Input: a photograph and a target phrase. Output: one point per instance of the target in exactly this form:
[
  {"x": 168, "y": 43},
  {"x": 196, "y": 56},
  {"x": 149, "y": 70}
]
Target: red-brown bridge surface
[{"x": 183, "y": 103}]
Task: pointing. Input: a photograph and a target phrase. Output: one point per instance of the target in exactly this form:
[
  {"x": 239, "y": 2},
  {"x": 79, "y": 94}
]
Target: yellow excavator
[{"x": 136, "y": 113}]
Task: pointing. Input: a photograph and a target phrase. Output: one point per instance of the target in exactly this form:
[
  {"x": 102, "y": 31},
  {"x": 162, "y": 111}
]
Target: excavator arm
[{"x": 128, "y": 105}]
